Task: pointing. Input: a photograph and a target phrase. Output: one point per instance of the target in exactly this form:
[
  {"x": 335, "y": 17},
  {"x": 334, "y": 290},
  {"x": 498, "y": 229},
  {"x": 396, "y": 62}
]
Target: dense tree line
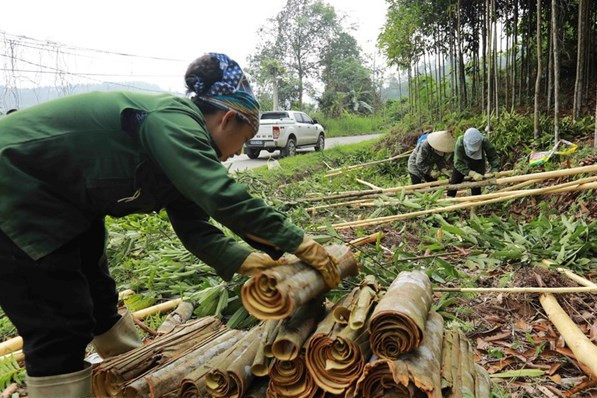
[
  {"x": 495, "y": 55},
  {"x": 306, "y": 45}
]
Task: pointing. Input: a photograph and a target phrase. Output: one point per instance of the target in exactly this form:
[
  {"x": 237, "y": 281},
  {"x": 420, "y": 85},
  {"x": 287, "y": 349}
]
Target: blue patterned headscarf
[{"x": 232, "y": 92}]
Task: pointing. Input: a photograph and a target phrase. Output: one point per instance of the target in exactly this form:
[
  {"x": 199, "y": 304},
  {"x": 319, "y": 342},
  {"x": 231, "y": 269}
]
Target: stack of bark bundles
[
  {"x": 277, "y": 292},
  {"x": 407, "y": 340}
]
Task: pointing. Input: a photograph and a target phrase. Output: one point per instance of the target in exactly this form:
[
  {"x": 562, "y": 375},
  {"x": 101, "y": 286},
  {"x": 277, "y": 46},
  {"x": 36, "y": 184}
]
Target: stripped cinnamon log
[
  {"x": 276, "y": 293},
  {"x": 413, "y": 375},
  {"x": 336, "y": 353},
  {"x": 181, "y": 314},
  {"x": 110, "y": 376},
  {"x": 398, "y": 322},
  {"x": 229, "y": 374},
  {"x": 296, "y": 329},
  {"x": 165, "y": 380}
]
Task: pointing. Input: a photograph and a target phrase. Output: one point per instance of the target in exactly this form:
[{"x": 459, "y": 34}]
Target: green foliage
[
  {"x": 349, "y": 124},
  {"x": 10, "y": 372},
  {"x": 7, "y": 329}
]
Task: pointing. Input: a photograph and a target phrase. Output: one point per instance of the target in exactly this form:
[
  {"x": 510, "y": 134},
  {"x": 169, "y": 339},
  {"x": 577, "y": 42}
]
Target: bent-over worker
[
  {"x": 428, "y": 153},
  {"x": 471, "y": 152},
  {"x": 67, "y": 163}
]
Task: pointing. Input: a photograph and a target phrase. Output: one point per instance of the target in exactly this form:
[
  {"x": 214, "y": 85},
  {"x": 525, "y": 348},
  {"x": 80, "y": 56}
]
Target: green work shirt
[
  {"x": 461, "y": 160},
  {"x": 67, "y": 162}
]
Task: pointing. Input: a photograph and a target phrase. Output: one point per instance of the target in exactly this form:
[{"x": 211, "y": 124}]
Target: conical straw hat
[{"x": 441, "y": 141}]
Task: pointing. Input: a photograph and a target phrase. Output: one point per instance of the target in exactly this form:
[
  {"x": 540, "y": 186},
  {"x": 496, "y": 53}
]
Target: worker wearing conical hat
[
  {"x": 429, "y": 153},
  {"x": 471, "y": 152}
]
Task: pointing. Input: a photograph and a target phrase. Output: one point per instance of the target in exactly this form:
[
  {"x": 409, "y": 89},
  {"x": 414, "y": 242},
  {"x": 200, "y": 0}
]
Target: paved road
[{"x": 243, "y": 162}]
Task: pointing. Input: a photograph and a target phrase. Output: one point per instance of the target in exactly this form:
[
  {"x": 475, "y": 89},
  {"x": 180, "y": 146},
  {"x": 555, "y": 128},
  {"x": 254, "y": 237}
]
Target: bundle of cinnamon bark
[{"x": 373, "y": 342}]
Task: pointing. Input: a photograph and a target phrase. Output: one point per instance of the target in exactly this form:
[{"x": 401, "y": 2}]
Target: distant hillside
[{"x": 24, "y": 97}]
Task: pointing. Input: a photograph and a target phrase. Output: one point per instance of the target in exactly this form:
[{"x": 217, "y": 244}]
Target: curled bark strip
[
  {"x": 414, "y": 375},
  {"x": 111, "y": 375},
  {"x": 181, "y": 314},
  {"x": 261, "y": 362},
  {"x": 296, "y": 329},
  {"x": 290, "y": 379},
  {"x": 276, "y": 293},
  {"x": 398, "y": 322}
]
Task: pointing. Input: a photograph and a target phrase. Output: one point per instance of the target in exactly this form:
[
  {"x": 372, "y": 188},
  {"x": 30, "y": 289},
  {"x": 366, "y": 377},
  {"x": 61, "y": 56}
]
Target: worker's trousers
[
  {"x": 59, "y": 302},
  {"x": 415, "y": 179},
  {"x": 458, "y": 177}
]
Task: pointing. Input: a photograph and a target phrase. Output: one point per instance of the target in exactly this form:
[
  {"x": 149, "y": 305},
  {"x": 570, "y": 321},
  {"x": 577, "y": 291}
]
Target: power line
[
  {"x": 60, "y": 71},
  {"x": 48, "y": 42},
  {"x": 80, "y": 73}
]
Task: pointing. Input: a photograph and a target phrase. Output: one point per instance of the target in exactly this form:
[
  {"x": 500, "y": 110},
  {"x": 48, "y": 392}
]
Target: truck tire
[
  {"x": 289, "y": 149},
  {"x": 320, "y": 146},
  {"x": 253, "y": 153}
]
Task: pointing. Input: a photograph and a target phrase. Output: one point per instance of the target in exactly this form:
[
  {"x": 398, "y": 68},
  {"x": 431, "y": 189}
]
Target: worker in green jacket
[
  {"x": 67, "y": 163},
  {"x": 471, "y": 153}
]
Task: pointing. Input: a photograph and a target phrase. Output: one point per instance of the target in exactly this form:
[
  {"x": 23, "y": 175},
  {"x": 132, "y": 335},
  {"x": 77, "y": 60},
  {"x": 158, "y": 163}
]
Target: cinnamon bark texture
[
  {"x": 228, "y": 374},
  {"x": 111, "y": 375},
  {"x": 180, "y": 315},
  {"x": 413, "y": 375},
  {"x": 397, "y": 324},
  {"x": 290, "y": 379},
  {"x": 336, "y": 354},
  {"x": 277, "y": 292}
]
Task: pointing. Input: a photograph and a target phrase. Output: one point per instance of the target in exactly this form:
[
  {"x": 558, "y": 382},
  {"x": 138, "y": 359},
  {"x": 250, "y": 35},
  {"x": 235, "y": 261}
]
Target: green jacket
[
  {"x": 461, "y": 161},
  {"x": 69, "y": 161}
]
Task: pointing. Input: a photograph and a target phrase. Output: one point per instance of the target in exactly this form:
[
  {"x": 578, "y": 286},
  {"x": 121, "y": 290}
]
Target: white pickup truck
[{"x": 286, "y": 131}]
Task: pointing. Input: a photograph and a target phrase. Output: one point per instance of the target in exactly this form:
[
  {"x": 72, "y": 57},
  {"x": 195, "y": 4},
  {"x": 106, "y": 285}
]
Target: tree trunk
[
  {"x": 514, "y": 48},
  {"x": 496, "y": 70},
  {"x": 595, "y": 136},
  {"x": 538, "y": 78},
  {"x": 528, "y": 64},
  {"x": 275, "y": 92},
  {"x": 461, "y": 76},
  {"x": 580, "y": 58},
  {"x": 550, "y": 69},
  {"x": 556, "y": 69},
  {"x": 484, "y": 52},
  {"x": 507, "y": 69},
  {"x": 490, "y": 63}
]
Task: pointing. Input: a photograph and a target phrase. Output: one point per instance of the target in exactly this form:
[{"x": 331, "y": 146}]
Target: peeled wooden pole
[
  {"x": 559, "y": 290},
  {"x": 397, "y": 324},
  {"x": 584, "y": 351},
  {"x": 340, "y": 170},
  {"x": 383, "y": 220},
  {"x": 275, "y": 293},
  {"x": 577, "y": 278}
]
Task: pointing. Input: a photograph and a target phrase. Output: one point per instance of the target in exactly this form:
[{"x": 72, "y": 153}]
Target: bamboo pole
[
  {"x": 582, "y": 348},
  {"x": 11, "y": 345},
  {"x": 577, "y": 278},
  {"x": 365, "y": 240},
  {"x": 340, "y": 170},
  {"x": 518, "y": 186},
  {"x": 557, "y": 290},
  {"x": 157, "y": 309},
  {"x": 383, "y": 220},
  {"x": 367, "y": 184},
  {"x": 406, "y": 188}
]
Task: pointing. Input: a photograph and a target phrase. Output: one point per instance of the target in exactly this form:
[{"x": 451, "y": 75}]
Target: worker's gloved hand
[
  {"x": 257, "y": 262},
  {"x": 489, "y": 175},
  {"x": 475, "y": 176},
  {"x": 434, "y": 174},
  {"x": 445, "y": 172},
  {"x": 315, "y": 255}
]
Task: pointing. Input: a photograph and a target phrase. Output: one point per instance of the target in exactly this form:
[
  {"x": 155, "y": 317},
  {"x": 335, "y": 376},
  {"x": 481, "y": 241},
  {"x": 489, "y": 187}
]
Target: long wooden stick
[
  {"x": 518, "y": 186},
  {"x": 557, "y": 290},
  {"x": 577, "y": 278},
  {"x": 584, "y": 351},
  {"x": 367, "y": 184},
  {"x": 383, "y": 220},
  {"x": 340, "y": 170}
]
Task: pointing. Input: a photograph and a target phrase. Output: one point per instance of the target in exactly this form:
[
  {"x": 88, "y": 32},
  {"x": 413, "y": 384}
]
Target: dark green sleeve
[
  {"x": 204, "y": 240},
  {"x": 460, "y": 162},
  {"x": 491, "y": 153},
  {"x": 181, "y": 147}
]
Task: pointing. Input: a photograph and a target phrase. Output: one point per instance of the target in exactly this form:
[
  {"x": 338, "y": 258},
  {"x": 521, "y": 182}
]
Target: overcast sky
[{"x": 178, "y": 30}]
